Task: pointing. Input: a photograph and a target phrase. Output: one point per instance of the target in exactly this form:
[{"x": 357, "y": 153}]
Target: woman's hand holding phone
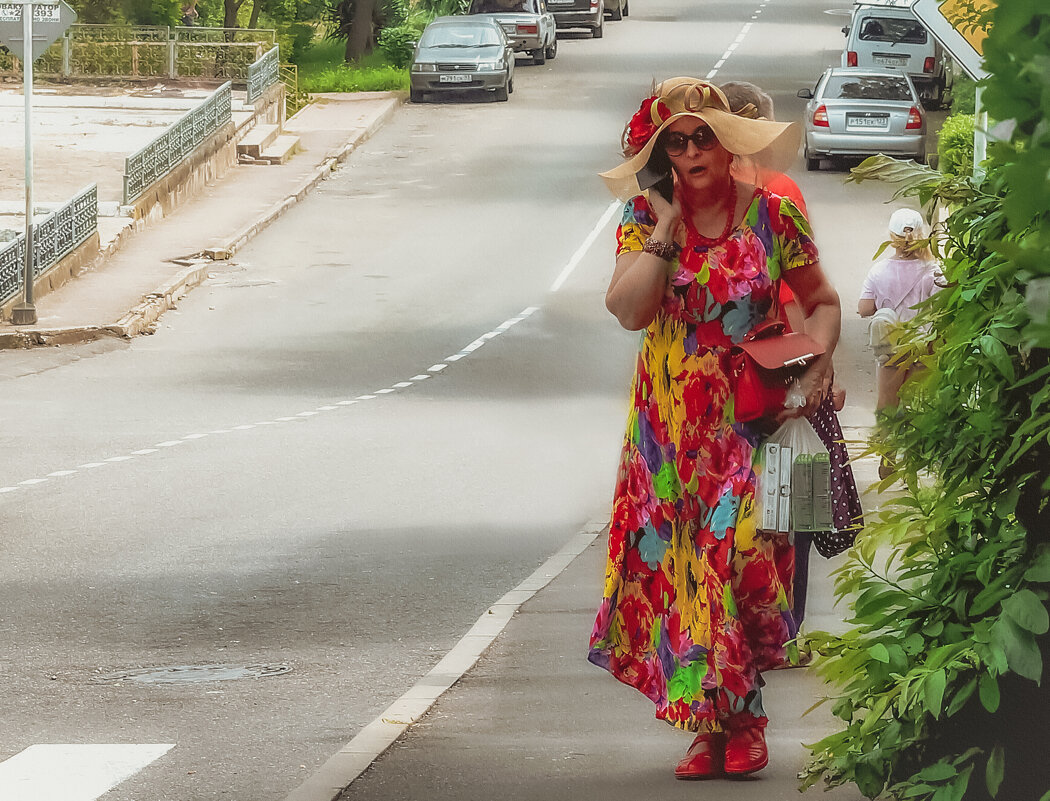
[{"x": 668, "y": 211}]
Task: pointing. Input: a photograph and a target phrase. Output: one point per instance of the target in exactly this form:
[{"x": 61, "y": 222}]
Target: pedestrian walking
[
  {"x": 847, "y": 513},
  {"x": 694, "y": 606},
  {"x": 891, "y": 290}
]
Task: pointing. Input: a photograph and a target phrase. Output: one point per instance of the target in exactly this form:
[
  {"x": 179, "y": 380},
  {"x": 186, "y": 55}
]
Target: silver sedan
[
  {"x": 457, "y": 53},
  {"x": 859, "y": 112}
]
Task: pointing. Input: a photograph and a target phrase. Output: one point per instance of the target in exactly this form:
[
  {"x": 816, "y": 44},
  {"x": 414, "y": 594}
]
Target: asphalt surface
[{"x": 356, "y": 543}]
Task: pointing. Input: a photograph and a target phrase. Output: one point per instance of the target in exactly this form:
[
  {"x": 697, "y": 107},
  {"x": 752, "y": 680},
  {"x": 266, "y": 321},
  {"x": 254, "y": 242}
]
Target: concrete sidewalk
[
  {"x": 534, "y": 721},
  {"x": 128, "y": 290}
]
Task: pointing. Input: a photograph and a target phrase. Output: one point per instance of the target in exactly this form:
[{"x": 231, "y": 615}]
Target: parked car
[
  {"x": 588, "y": 14},
  {"x": 858, "y": 112},
  {"x": 886, "y": 34},
  {"x": 527, "y": 23},
  {"x": 457, "y": 53},
  {"x": 617, "y": 9}
]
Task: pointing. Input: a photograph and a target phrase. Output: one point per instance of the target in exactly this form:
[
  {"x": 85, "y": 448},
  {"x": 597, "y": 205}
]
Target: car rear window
[
  {"x": 867, "y": 87},
  {"x": 459, "y": 36},
  {"x": 892, "y": 29},
  {"x": 503, "y": 7}
]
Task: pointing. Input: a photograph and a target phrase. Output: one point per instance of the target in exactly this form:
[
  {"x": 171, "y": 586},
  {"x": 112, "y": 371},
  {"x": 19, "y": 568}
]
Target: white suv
[{"x": 885, "y": 35}]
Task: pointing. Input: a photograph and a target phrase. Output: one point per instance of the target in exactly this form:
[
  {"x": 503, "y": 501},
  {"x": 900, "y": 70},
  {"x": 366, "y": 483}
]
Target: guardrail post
[
  {"x": 173, "y": 46},
  {"x": 66, "y": 55}
]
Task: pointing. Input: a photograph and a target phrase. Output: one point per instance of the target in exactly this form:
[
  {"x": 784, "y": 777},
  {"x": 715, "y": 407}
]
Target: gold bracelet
[{"x": 662, "y": 250}]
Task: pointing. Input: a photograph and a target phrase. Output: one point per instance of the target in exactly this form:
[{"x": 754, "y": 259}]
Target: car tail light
[
  {"x": 594, "y": 4},
  {"x": 820, "y": 117},
  {"x": 928, "y": 64},
  {"x": 914, "y": 119},
  {"x": 528, "y": 29},
  {"x": 851, "y": 58}
]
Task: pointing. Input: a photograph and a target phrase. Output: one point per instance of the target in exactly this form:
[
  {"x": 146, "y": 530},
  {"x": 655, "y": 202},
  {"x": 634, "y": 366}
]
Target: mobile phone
[{"x": 658, "y": 174}]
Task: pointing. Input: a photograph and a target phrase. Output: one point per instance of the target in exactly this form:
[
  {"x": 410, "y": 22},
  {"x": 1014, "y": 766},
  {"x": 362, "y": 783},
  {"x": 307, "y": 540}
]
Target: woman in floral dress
[{"x": 694, "y": 606}]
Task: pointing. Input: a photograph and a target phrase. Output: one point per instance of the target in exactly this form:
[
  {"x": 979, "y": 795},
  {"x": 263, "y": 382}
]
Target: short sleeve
[
  {"x": 867, "y": 289},
  {"x": 793, "y": 233},
  {"x": 635, "y": 227}
]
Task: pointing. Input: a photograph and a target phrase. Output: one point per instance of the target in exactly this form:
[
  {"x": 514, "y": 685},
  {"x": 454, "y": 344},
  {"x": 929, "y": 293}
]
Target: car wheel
[
  {"x": 599, "y": 32},
  {"x": 502, "y": 93},
  {"x": 552, "y": 51},
  {"x": 538, "y": 56},
  {"x": 415, "y": 95},
  {"x": 616, "y": 13},
  {"x": 510, "y": 86},
  {"x": 812, "y": 163},
  {"x": 626, "y": 9}
]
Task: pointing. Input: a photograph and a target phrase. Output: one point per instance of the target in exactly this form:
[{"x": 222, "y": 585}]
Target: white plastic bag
[{"x": 793, "y": 471}]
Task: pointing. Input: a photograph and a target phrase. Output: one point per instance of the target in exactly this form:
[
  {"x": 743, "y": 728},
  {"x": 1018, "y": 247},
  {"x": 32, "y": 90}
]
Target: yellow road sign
[{"x": 961, "y": 26}]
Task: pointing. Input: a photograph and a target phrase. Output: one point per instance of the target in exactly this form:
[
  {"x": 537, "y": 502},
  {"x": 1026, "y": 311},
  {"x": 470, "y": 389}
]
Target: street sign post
[{"x": 38, "y": 22}]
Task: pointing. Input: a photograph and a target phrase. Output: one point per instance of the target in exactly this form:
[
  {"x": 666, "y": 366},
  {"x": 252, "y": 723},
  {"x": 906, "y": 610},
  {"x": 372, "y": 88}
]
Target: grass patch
[{"x": 322, "y": 69}]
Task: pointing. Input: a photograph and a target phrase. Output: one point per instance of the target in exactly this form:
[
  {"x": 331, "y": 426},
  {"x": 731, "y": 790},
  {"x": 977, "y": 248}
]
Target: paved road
[{"x": 318, "y": 479}]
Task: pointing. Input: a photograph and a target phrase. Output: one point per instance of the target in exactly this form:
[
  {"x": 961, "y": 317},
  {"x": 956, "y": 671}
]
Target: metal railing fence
[
  {"x": 263, "y": 73},
  {"x": 144, "y": 51},
  {"x": 56, "y": 235},
  {"x": 163, "y": 154}
]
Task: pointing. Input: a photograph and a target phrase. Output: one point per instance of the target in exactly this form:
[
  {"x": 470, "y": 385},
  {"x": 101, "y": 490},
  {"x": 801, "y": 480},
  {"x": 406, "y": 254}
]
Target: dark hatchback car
[{"x": 458, "y": 53}]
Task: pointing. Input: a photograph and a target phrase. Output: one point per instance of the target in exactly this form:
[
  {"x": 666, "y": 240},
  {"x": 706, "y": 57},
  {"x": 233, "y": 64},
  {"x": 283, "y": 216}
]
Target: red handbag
[{"x": 764, "y": 365}]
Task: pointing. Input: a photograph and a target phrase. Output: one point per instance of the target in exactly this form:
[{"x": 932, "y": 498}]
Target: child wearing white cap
[{"x": 890, "y": 292}]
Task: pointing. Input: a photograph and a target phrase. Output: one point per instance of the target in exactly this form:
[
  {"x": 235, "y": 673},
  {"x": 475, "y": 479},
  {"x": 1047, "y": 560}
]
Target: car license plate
[
  {"x": 891, "y": 61},
  {"x": 559, "y": 2},
  {"x": 454, "y": 78},
  {"x": 867, "y": 121}
]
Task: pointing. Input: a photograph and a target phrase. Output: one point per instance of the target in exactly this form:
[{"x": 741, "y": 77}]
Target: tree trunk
[
  {"x": 360, "y": 39},
  {"x": 229, "y": 18},
  {"x": 256, "y": 8}
]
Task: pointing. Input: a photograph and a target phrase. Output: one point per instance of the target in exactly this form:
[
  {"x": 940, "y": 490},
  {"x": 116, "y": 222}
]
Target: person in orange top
[{"x": 846, "y": 500}]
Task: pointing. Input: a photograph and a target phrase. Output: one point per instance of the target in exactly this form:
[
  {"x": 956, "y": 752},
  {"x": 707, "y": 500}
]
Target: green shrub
[
  {"x": 397, "y": 44},
  {"x": 294, "y": 40},
  {"x": 955, "y": 145},
  {"x": 964, "y": 95}
]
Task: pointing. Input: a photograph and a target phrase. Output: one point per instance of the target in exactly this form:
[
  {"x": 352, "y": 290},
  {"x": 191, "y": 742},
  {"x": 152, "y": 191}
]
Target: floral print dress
[{"x": 696, "y": 602}]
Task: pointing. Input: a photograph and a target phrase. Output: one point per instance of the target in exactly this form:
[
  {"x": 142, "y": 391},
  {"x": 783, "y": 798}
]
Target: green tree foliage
[{"x": 939, "y": 678}]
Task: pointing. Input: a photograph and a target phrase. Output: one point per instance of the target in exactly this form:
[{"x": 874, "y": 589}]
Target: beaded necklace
[{"x": 710, "y": 242}]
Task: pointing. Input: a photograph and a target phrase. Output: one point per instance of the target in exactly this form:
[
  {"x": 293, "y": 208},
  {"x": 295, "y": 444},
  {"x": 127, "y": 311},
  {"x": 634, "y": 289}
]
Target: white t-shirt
[{"x": 899, "y": 284}]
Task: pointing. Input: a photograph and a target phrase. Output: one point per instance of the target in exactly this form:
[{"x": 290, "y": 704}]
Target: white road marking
[
  {"x": 420, "y": 377},
  {"x": 386, "y": 391},
  {"x": 365, "y": 397},
  {"x": 8, "y": 489},
  {"x": 118, "y": 458},
  {"x": 354, "y": 758},
  {"x": 581, "y": 251},
  {"x": 344, "y": 403},
  {"x": 171, "y": 443},
  {"x": 31, "y": 481},
  {"x": 60, "y": 473},
  {"x": 244, "y": 427},
  {"x": 90, "y": 465},
  {"x": 144, "y": 451},
  {"x": 306, "y": 414},
  {"x": 436, "y": 368},
  {"x": 325, "y": 408},
  {"x": 402, "y": 384},
  {"x": 72, "y": 772}
]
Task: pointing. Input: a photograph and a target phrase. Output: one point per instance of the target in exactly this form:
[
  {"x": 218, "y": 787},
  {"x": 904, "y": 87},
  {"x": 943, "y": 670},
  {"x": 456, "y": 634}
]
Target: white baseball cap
[{"x": 906, "y": 218}]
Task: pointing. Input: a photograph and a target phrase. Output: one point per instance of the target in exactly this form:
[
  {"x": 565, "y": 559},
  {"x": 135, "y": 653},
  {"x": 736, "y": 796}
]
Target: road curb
[
  {"x": 330, "y": 780},
  {"x": 142, "y": 317}
]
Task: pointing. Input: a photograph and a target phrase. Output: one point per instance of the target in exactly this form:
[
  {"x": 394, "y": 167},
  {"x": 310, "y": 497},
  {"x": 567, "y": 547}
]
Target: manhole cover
[{"x": 188, "y": 674}]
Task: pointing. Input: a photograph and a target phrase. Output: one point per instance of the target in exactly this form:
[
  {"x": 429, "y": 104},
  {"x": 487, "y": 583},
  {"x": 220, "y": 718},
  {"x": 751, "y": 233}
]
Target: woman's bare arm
[{"x": 821, "y": 307}]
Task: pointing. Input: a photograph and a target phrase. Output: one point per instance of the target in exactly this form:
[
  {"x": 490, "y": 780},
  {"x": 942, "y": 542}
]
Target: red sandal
[
  {"x": 746, "y": 751},
  {"x": 703, "y": 760}
]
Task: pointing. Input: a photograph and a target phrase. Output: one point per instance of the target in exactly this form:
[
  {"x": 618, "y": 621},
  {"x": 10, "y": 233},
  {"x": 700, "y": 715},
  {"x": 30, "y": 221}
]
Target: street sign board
[
  {"x": 49, "y": 22},
  {"x": 960, "y": 28}
]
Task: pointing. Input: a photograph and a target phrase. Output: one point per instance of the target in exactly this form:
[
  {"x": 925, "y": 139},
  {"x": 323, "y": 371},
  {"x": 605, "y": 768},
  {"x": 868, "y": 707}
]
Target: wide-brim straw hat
[{"x": 771, "y": 145}]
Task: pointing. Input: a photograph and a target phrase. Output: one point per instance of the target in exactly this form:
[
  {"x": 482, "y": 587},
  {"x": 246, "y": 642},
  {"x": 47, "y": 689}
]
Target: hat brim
[{"x": 772, "y": 144}]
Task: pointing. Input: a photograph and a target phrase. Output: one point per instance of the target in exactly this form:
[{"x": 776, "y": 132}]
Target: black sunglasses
[{"x": 676, "y": 143}]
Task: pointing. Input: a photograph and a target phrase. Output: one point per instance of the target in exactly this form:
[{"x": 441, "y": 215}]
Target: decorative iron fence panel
[
  {"x": 164, "y": 153},
  {"x": 56, "y": 235},
  {"x": 136, "y": 51},
  {"x": 263, "y": 73}
]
